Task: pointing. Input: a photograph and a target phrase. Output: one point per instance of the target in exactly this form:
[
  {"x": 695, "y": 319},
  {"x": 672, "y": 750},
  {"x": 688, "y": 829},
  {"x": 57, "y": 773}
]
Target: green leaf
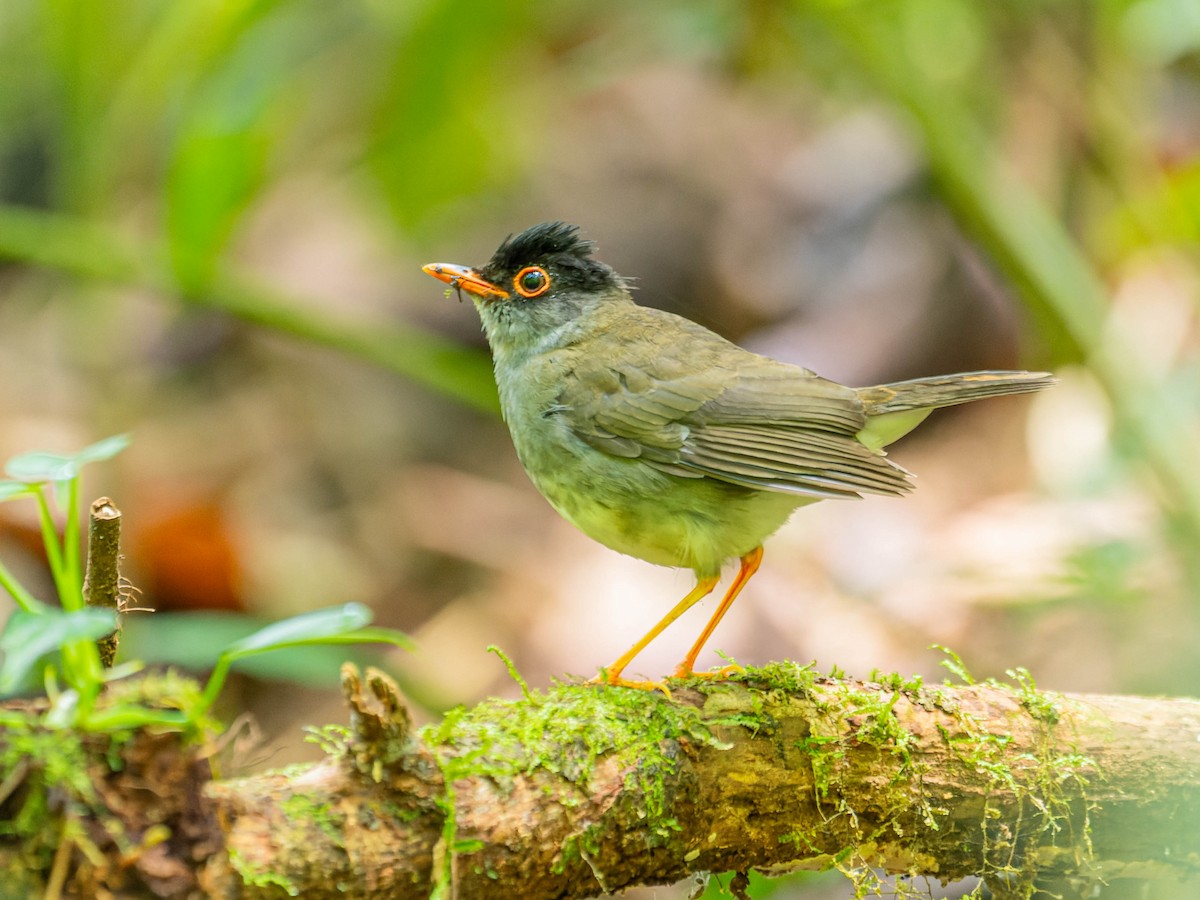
[
  {"x": 124, "y": 670},
  {"x": 373, "y": 635},
  {"x": 424, "y": 159},
  {"x": 195, "y": 640},
  {"x": 312, "y": 626},
  {"x": 337, "y": 625},
  {"x": 103, "y": 449},
  {"x": 130, "y": 716},
  {"x": 11, "y": 489},
  {"x": 27, "y": 637},
  {"x": 227, "y": 132},
  {"x": 64, "y": 709},
  {"x": 39, "y": 466}
]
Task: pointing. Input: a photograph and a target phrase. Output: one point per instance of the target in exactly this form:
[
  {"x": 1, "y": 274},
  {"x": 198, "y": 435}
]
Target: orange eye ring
[{"x": 531, "y": 281}]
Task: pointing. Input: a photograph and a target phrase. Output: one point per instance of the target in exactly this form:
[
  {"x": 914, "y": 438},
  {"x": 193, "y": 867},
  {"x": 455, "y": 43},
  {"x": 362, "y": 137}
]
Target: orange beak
[{"x": 464, "y": 278}]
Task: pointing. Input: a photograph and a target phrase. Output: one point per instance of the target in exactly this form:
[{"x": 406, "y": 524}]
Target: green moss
[
  {"x": 1048, "y": 784},
  {"x": 166, "y": 689},
  {"x": 565, "y": 731},
  {"x": 44, "y": 763},
  {"x": 897, "y": 682},
  {"x": 582, "y": 846},
  {"x": 307, "y": 808},
  {"x": 252, "y": 875},
  {"x": 568, "y": 729},
  {"x": 46, "y": 770},
  {"x": 825, "y": 755},
  {"x": 164, "y": 700},
  {"x": 332, "y": 739},
  {"x": 779, "y": 678},
  {"x": 46, "y": 774},
  {"x": 1042, "y": 705}
]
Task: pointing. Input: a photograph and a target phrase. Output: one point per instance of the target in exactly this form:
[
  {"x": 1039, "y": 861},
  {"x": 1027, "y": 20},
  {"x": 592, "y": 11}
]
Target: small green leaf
[
  {"x": 103, "y": 449},
  {"x": 128, "y": 716},
  {"x": 27, "y": 637},
  {"x": 124, "y": 670},
  {"x": 39, "y": 466},
  {"x": 10, "y": 489},
  {"x": 336, "y": 625},
  {"x": 63, "y": 709}
]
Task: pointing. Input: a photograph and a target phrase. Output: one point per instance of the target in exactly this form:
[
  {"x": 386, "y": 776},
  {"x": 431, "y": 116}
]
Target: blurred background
[{"x": 212, "y": 221}]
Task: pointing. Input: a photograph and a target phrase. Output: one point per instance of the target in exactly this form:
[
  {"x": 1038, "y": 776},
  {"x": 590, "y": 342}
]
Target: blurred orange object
[{"x": 186, "y": 560}]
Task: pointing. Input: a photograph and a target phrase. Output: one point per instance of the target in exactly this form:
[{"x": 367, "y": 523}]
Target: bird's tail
[
  {"x": 949, "y": 390},
  {"x": 893, "y": 410}
]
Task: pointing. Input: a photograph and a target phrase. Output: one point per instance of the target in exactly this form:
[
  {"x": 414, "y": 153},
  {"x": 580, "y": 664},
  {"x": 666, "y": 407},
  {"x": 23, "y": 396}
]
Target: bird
[{"x": 663, "y": 440}]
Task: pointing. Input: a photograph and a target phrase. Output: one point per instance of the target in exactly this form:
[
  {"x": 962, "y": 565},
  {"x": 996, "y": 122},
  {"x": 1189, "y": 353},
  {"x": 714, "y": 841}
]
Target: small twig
[
  {"x": 60, "y": 866},
  {"x": 102, "y": 582},
  {"x": 14, "y": 778}
]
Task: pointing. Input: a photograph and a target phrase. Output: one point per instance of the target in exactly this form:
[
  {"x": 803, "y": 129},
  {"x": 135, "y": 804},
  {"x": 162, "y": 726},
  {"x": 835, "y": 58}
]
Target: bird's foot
[
  {"x": 685, "y": 671},
  {"x": 617, "y": 681}
]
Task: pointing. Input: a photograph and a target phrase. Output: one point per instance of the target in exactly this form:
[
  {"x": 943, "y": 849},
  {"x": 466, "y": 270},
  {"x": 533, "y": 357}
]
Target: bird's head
[{"x": 536, "y": 283}]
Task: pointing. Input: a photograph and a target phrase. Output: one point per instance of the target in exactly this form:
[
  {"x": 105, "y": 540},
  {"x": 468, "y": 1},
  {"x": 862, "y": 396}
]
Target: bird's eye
[{"x": 532, "y": 281}]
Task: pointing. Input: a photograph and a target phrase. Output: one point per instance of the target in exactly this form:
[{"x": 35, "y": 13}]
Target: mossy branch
[{"x": 586, "y": 789}]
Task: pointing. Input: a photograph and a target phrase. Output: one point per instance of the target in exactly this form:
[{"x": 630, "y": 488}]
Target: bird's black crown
[
  {"x": 557, "y": 245},
  {"x": 540, "y": 242}
]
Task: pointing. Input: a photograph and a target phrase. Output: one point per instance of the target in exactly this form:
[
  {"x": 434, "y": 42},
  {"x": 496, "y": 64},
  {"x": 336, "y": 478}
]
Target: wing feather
[{"x": 698, "y": 410}]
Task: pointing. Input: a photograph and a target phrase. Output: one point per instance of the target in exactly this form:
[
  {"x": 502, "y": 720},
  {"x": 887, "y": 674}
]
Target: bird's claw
[
  {"x": 605, "y": 679},
  {"x": 683, "y": 672}
]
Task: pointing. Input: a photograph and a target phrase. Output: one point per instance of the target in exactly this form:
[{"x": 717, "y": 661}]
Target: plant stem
[
  {"x": 16, "y": 590},
  {"x": 54, "y": 553},
  {"x": 102, "y": 581},
  {"x": 216, "y": 680},
  {"x": 71, "y": 545}
]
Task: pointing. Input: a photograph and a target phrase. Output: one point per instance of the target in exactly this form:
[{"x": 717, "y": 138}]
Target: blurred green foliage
[
  {"x": 174, "y": 121},
  {"x": 138, "y": 138}
]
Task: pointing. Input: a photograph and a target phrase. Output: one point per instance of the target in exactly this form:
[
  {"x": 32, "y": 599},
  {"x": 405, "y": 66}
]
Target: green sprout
[
  {"x": 38, "y": 628},
  {"x": 37, "y": 631}
]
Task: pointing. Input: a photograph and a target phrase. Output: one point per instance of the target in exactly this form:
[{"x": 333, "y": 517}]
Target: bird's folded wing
[
  {"x": 766, "y": 425},
  {"x": 792, "y": 460}
]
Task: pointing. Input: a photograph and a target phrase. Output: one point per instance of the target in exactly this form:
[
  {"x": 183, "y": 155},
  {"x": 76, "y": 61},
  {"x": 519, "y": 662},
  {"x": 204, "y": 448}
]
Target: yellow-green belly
[{"x": 696, "y": 523}]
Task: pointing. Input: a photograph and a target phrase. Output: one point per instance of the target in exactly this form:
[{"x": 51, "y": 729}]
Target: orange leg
[
  {"x": 612, "y": 675},
  {"x": 750, "y": 563}
]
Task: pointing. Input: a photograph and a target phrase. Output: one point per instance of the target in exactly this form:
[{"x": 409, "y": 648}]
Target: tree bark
[{"x": 586, "y": 790}]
